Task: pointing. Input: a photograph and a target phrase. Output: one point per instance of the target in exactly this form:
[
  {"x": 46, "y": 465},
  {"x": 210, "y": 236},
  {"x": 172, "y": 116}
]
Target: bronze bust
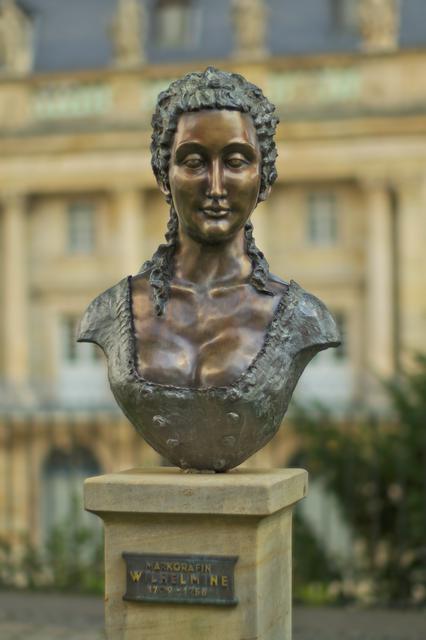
[{"x": 204, "y": 345}]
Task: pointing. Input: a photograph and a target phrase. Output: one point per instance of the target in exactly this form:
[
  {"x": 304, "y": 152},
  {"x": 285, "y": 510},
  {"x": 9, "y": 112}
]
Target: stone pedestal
[{"x": 193, "y": 524}]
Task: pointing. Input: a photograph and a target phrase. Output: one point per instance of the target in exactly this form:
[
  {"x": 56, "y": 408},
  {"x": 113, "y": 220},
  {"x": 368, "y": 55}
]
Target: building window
[
  {"x": 81, "y": 227},
  {"x": 62, "y": 500},
  {"x": 73, "y": 352},
  {"x": 345, "y": 15},
  {"x": 81, "y": 373},
  {"x": 341, "y": 352},
  {"x": 322, "y": 219},
  {"x": 173, "y": 23},
  {"x": 68, "y": 343}
]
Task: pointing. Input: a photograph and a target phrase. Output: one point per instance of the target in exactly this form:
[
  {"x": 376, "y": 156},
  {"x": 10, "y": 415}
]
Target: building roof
[
  {"x": 71, "y": 34},
  {"x": 74, "y": 34}
]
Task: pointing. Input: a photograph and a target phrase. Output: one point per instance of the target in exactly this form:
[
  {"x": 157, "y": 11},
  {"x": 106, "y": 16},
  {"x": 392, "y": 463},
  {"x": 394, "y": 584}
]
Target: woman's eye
[
  {"x": 193, "y": 162},
  {"x": 236, "y": 162}
]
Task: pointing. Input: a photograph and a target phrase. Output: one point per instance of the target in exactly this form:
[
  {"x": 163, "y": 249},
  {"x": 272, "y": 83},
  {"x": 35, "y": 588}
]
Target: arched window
[
  {"x": 62, "y": 489},
  {"x": 173, "y": 23}
]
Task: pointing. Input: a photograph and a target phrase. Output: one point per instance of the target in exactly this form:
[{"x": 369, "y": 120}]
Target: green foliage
[
  {"x": 74, "y": 556},
  {"x": 6, "y": 563},
  {"x": 313, "y": 571},
  {"x": 377, "y": 470},
  {"x": 71, "y": 560}
]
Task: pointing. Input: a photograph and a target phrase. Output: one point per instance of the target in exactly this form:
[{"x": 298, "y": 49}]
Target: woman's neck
[{"x": 210, "y": 265}]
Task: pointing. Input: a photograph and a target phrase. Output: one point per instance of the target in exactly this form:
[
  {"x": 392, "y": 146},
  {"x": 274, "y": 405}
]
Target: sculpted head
[
  {"x": 213, "y": 89},
  {"x": 177, "y": 107}
]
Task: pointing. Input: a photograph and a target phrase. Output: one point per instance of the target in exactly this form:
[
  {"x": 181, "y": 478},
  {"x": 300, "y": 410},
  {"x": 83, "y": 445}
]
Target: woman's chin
[{"x": 214, "y": 232}]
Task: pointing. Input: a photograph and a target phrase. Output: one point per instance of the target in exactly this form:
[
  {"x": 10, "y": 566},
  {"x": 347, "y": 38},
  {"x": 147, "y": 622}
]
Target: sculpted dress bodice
[
  {"x": 189, "y": 388},
  {"x": 208, "y": 335}
]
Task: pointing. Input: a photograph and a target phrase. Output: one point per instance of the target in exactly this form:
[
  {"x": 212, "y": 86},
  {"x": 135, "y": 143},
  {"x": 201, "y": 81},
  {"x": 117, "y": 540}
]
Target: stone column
[
  {"x": 379, "y": 281},
  {"x": 411, "y": 237},
  {"x": 15, "y": 37},
  {"x": 379, "y": 25},
  {"x": 127, "y": 32},
  {"x": 250, "y": 23},
  {"x": 176, "y": 544},
  {"x": 15, "y": 295},
  {"x": 129, "y": 212}
]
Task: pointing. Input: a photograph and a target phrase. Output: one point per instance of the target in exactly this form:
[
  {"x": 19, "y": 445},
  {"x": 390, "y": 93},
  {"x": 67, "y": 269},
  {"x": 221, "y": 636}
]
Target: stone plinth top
[{"x": 164, "y": 490}]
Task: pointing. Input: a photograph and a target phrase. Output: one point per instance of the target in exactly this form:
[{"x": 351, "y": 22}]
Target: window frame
[
  {"x": 344, "y": 17},
  {"x": 341, "y": 353},
  {"x": 78, "y": 212},
  {"x": 189, "y": 35},
  {"x": 319, "y": 232},
  {"x": 71, "y": 353}
]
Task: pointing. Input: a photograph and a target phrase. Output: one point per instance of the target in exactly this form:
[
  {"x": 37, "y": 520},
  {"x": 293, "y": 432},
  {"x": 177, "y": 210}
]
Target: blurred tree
[
  {"x": 313, "y": 569},
  {"x": 72, "y": 559},
  {"x": 377, "y": 470}
]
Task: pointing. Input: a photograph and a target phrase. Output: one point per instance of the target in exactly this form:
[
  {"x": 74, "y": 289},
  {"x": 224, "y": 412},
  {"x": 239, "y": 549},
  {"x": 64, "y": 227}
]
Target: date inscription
[{"x": 181, "y": 579}]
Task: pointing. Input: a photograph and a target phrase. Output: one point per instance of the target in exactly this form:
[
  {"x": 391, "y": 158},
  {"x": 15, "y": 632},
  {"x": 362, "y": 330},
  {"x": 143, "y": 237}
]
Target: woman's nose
[{"x": 216, "y": 186}]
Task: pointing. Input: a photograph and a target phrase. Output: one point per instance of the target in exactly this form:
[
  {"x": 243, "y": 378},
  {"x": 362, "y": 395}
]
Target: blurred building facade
[{"x": 79, "y": 208}]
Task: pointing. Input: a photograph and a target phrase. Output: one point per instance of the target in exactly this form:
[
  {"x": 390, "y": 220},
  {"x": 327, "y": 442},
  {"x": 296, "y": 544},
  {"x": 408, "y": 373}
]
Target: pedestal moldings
[{"x": 236, "y": 524}]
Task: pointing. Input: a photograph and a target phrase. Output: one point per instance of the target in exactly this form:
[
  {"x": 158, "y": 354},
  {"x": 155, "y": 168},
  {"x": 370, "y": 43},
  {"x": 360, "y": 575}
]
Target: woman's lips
[{"x": 215, "y": 213}]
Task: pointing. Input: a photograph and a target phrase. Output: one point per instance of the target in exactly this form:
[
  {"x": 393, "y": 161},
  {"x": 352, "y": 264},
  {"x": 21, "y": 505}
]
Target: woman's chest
[{"x": 201, "y": 341}]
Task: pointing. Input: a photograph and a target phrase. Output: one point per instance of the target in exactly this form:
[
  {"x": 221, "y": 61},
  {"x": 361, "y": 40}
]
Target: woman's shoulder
[
  {"x": 140, "y": 283},
  {"x": 306, "y": 317},
  {"x": 315, "y": 322},
  {"x": 97, "y": 321},
  {"x": 276, "y": 285}
]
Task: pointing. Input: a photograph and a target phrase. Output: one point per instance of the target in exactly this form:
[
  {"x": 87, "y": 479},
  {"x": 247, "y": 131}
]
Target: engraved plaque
[{"x": 180, "y": 579}]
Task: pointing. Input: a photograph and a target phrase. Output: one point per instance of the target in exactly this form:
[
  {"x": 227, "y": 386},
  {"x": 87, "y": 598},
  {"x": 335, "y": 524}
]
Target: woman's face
[{"x": 214, "y": 173}]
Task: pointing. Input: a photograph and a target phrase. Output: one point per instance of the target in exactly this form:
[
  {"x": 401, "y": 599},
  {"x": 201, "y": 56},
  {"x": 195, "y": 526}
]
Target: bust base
[{"x": 244, "y": 513}]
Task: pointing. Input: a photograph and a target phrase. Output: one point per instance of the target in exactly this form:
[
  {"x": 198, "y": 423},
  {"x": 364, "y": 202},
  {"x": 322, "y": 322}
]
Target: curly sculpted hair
[{"x": 211, "y": 89}]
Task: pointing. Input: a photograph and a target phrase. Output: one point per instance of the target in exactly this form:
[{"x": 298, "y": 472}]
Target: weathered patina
[{"x": 205, "y": 345}]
